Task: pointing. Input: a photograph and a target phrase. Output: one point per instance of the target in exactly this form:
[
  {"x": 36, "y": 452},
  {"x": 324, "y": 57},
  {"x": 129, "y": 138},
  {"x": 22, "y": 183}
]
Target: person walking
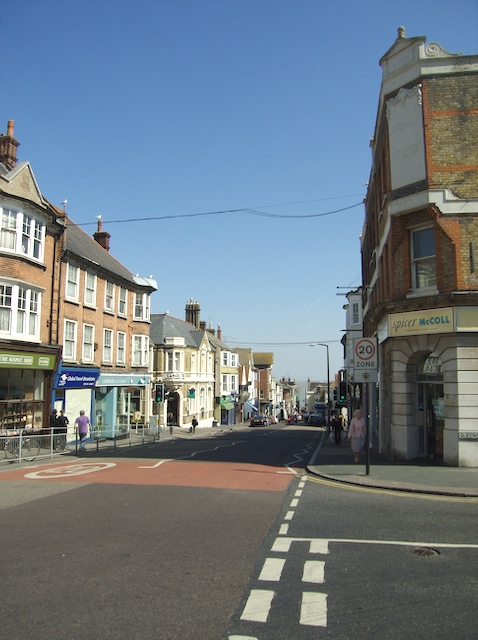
[
  {"x": 82, "y": 423},
  {"x": 356, "y": 434},
  {"x": 194, "y": 424},
  {"x": 337, "y": 425},
  {"x": 63, "y": 423}
]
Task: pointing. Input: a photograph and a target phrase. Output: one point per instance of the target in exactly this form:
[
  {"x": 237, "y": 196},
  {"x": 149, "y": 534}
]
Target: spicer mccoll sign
[{"x": 416, "y": 322}]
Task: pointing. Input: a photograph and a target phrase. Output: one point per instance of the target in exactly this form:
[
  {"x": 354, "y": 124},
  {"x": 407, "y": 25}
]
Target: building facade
[
  {"x": 31, "y": 240},
  {"x": 104, "y": 326},
  {"x": 184, "y": 362},
  {"x": 419, "y": 262}
]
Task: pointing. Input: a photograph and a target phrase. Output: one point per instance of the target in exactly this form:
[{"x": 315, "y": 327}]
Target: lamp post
[{"x": 322, "y": 344}]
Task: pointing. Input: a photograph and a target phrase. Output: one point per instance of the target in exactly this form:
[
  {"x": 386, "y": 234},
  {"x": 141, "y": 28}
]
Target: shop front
[
  {"x": 25, "y": 387},
  {"x": 227, "y": 407},
  {"x": 74, "y": 391},
  {"x": 121, "y": 402},
  {"x": 428, "y": 381}
]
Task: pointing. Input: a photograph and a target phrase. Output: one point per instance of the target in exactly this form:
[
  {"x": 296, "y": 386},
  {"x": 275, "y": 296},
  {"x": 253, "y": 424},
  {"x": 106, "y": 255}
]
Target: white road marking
[
  {"x": 294, "y": 502},
  {"x": 313, "y": 610},
  {"x": 284, "y": 529},
  {"x": 241, "y": 638},
  {"x": 272, "y": 569},
  {"x": 321, "y": 545},
  {"x": 289, "y": 515},
  {"x": 258, "y": 605},
  {"x": 316, "y": 545},
  {"x": 298, "y": 493},
  {"x": 313, "y": 571},
  {"x": 69, "y": 470}
]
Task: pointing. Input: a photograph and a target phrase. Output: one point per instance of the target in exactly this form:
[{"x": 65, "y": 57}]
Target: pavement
[{"x": 424, "y": 476}]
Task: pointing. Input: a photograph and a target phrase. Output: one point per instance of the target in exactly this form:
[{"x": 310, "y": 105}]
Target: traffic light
[
  {"x": 342, "y": 390},
  {"x": 159, "y": 392}
]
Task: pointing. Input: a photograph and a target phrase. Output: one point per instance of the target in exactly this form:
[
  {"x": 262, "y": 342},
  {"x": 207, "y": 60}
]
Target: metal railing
[{"x": 26, "y": 445}]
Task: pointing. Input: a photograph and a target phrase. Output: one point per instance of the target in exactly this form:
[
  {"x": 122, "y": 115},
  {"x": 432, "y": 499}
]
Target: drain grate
[{"x": 427, "y": 552}]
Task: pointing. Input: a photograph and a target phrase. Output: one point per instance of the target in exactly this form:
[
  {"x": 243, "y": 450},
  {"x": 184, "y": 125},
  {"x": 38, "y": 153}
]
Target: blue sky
[{"x": 263, "y": 109}]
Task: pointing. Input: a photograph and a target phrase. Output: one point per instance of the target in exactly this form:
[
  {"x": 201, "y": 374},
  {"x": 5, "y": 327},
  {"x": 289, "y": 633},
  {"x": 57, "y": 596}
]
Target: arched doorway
[
  {"x": 173, "y": 408},
  {"x": 430, "y": 406}
]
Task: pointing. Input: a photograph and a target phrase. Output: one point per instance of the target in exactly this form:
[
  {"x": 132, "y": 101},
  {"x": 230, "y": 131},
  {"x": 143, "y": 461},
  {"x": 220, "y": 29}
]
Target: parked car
[
  {"x": 319, "y": 417},
  {"x": 292, "y": 419},
  {"x": 272, "y": 420},
  {"x": 259, "y": 421}
]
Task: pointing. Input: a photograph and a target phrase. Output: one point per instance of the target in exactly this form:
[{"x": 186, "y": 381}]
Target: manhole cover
[{"x": 425, "y": 551}]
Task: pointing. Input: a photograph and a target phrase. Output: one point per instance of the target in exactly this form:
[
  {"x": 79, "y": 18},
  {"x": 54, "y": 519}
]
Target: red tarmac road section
[{"x": 180, "y": 473}]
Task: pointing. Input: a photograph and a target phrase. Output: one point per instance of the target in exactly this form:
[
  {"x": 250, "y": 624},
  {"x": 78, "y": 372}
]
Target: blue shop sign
[
  {"x": 119, "y": 380},
  {"x": 76, "y": 378}
]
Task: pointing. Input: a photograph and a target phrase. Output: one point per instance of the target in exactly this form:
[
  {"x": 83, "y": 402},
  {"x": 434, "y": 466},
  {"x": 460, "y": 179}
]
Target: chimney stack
[
  {"x": 8, "y": 147},
  {"x": 193, "y": 313},
  {"x": 102, "y": 237},
  {"x": 219, "y": 332}
]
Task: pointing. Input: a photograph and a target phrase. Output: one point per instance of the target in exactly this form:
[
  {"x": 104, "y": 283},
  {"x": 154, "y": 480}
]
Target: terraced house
[{"x": 74, "y": 322}]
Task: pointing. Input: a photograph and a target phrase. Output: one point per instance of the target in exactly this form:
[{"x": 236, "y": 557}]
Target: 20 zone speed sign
[{"x": 365, "y": 359}]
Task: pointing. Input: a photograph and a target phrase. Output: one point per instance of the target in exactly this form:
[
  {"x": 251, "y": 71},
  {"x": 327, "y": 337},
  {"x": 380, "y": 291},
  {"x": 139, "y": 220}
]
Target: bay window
[
  {"x": 19, "y": 312},
  {"x": 21, "y": 233}
]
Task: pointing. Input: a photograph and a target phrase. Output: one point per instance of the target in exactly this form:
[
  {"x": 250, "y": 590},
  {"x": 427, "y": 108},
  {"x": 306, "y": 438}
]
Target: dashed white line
[
  {"x": 258, "y": 605},
  {"x": 313, "y": 610},
  {"x": 294, "y": 502},
  {"x": 284, "y": 529},
  {"x": 289, "y": 515},
  {"x": 313, "y": 571},
  {"x": 298, "y": 493},
  {"x": 272, "y": 569}
]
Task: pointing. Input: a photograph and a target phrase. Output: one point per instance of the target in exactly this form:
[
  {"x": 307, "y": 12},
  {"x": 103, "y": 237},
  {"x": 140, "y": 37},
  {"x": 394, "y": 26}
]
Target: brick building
[
  {"x": 419, "y": 260},
  {"x": 74, "y": 322},
  {"x": 30, "y": 242}
]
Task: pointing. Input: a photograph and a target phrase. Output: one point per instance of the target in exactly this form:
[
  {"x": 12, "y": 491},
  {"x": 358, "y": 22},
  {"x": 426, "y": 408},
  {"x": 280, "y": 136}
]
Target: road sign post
[{"x": 366, "y": 371}]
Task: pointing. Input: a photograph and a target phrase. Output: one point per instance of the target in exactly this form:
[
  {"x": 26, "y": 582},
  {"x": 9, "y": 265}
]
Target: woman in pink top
[{"x": 356, "y": 433}]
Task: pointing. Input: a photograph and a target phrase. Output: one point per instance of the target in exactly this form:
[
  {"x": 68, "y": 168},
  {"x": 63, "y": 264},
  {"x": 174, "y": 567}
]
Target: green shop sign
[{"x": 15, "y": 360}]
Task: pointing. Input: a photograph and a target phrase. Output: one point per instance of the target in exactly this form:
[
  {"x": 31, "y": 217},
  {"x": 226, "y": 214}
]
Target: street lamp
[{"x": 322, "y": 344}]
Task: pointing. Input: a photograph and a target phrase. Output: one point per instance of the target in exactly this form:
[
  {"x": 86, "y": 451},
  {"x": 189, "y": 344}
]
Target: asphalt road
[
  {"x": 225, "y": 538},
  {"x": 159, "y": 542}
]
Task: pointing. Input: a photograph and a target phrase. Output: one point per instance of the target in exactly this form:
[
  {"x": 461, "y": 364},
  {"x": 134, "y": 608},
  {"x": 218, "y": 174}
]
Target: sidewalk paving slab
[{"x": 426, "y": 476}]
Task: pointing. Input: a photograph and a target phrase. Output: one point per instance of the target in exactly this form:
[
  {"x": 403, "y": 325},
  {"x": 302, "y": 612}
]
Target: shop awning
[{"x": 227, "y": 405}]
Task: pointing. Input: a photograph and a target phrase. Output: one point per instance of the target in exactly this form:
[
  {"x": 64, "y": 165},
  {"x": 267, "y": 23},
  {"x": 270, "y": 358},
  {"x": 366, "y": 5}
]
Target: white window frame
[
  {"x": 107, "y": 356},
  {"x": 421, "y": 260},
  {"x": 22, "y": 233},
  {"x": 72, "y": 282},
  {"x": 88, "y": 346},
  {"x": 140, "y": 350},
  {"x": 109, "y": 296},
  {"x": 70, "y": 337},
  {"x": 90, "y": 288},
  {"x": 121, "y": 347},
  {"x": 233, "y": 359},
  {"x": 122, "y": 301},
  {"x": 141, "y": 306},
  {"x": 355, "y": 313},
  {"x": 20, "y": 308}
]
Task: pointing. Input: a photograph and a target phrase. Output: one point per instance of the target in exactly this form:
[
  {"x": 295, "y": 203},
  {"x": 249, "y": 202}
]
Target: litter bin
[{"x": 214, "y": 423}]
